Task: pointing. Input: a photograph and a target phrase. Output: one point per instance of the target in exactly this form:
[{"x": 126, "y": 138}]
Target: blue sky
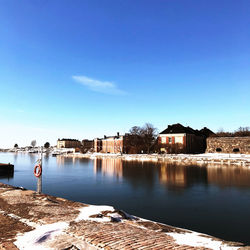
[{"x": 82, "y": 69}]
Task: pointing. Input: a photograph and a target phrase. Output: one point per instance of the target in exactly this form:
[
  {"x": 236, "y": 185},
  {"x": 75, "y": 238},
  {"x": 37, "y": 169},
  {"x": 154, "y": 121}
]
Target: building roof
[
  {"x": 64, "y": 139},
  {"x": 207, "y": 132},
  {"x": 178, "y": 129},
  {"x": 117, "y": 136}
]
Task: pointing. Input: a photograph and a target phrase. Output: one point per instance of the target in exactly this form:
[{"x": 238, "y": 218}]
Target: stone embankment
[
  {"x": 228, "y": 144},
  {"x": 186, "y": 159},
  {"x": 29, "y": 220}
]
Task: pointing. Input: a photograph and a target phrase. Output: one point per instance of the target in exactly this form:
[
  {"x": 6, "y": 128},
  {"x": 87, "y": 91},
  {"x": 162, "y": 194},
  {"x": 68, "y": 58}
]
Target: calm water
[{"x": 214, "y": 200}]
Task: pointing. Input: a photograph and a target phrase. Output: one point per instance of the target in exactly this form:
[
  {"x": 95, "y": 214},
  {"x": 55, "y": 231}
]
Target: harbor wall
[{"x": 240, "y": 145}]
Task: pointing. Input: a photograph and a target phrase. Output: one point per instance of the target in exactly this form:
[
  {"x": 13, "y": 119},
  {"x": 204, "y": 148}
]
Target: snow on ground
[
  {"x": 43, "y": 235},
  {"x": 25, "y": 221},
  {"x": 38, "y": 238},
  {"x": 198, "y": 240},
  {"x": 87, "y": 212},
  {"x": 221, "y": 156},
  {"x": 154, "y": 157}
]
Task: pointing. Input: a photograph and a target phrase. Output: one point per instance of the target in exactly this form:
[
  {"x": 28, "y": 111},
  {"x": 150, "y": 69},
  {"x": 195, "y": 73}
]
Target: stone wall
[{"x": 239, "y": 145}]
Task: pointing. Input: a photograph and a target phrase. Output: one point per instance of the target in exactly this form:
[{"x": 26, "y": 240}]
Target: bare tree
[
  {"x": 33, "y": 143},
  {"x": 242, "y": 131},
  {"x": 16, "y": 145},
  {"x": 135, "y": 140},
  {"x": 142, "y": 139},
  {"x": 136, "y": 130},
  {"x": 222, "y": 133},
  {"x": 149, "y": 136}
]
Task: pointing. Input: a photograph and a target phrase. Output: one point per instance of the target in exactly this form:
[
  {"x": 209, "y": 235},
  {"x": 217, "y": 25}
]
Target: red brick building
[
  {"x": 109, "y": 144},
  {"x": 97, "y": 145},
  {"x": 179, "y": 139},
  {"x": 115, "y": 144}
]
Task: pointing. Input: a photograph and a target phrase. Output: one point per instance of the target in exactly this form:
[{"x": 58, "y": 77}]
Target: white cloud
[{"x": 99, "y": 86}]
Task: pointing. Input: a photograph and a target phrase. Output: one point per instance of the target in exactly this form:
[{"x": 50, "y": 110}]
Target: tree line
[
  {"x": 33, "y": 144},
  {"x": 241, "y": 131}
]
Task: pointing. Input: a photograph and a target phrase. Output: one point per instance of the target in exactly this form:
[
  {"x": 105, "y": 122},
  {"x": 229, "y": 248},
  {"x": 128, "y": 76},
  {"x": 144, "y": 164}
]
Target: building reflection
[
  {"x": 138, "y": 174},
  {"x": 62, "y": 160},
  {"x": 172, "y": 176},
  {"x": 108, "y": 167},
  {"x": 229, "y": 176},
  {"x": 176, "y": 176},
  {"x": 141, "y": 174}
]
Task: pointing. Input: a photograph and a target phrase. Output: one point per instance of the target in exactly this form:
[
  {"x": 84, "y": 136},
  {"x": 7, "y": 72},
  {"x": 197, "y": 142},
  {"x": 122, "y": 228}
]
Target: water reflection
[
  {"x": 229, "y": 176},
  {"x": 109, "y": 167},
  {"x": 15, "y": 156},
  {"x": 33, "y": 158},
  {"x": 173, "y": 176},
  {"x": 179, "y": 177},
  {"x": 64, "y": 161},
  {"x": 46, "y": 157},
  {"x": 6, "y": 175},
  {"x": 140, "y": 174},
  {"x": 69, "y": 161}
]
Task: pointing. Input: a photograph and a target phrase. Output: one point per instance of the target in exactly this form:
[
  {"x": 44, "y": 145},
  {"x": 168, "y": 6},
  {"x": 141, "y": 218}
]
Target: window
[
  {"x": 218, "y": 150},
  {"x": 163, "y": 139},
  {"x": 169, "y": 139}
]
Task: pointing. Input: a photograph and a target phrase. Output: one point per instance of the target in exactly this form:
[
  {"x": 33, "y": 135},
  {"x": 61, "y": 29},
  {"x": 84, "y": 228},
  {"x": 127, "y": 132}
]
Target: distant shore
[
  {"x": 235, "y": 159},
  {"x": 200, "y": 159}
]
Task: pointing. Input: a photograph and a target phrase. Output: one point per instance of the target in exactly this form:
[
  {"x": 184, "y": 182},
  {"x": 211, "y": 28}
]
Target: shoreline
[
  {"x": 234, "y": 159},
  {"x": 199, "y": 159},
  {"x": 38, "y": 221}
]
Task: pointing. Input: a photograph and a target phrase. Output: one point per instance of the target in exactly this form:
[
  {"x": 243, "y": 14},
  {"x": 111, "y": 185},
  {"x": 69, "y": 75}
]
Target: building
[
  {"x": 206, "y": 133},
  {"x": 116, "y": 144},
  {"x": 228, "y": 145},
  {"x": 87, "y": 145},
  {"x": 177, "y": 138},
  {"x": 113, "y": 144},
  {"x": 97, "y": 145},
  {"x": 68, "y": 143},
  {"x": 109, "y": 144}
]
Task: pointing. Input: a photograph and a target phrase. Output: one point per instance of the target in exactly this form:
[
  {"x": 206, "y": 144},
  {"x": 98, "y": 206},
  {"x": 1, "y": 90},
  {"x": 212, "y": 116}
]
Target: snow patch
[
  {"x": 86, "y": 212},
  {"x": 16, "y": 217},
  {"x": 198, "y": 240},
  {"x": 38, "y": 238},
  {"x": 25, "y": 221}
]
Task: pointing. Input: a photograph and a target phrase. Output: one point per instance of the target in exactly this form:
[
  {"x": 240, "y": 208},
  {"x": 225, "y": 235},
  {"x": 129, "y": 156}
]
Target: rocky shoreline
[{"x": 29, "y": 220}]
